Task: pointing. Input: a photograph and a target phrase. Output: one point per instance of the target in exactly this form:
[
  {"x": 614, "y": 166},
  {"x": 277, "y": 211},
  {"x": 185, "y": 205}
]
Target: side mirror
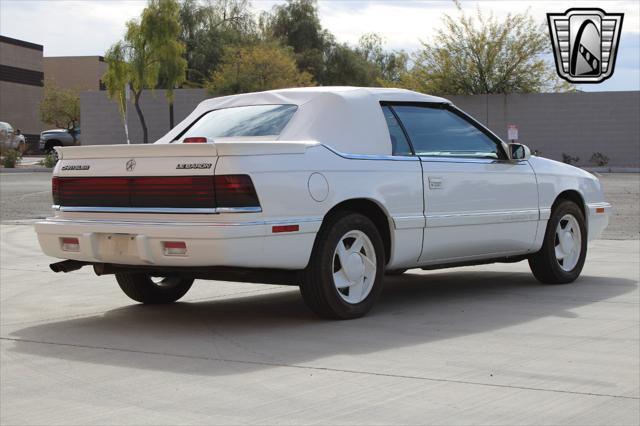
[
  {"x": 18, "y": 132},
  {"x": 518, "y": 151}
]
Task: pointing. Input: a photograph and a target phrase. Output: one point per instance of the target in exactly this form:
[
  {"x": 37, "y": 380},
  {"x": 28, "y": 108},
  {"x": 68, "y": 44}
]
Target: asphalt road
[
  {"x": 481, "y": 345},
  {"x": 476, "y": 345}
]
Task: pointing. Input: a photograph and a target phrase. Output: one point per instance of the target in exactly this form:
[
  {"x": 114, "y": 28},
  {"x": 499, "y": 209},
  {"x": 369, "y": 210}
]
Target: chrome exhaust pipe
[{"x": 67, "y": 265}]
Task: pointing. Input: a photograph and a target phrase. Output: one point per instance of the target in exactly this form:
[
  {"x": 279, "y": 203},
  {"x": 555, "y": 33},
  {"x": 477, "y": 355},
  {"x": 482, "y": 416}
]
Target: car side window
[
  {"x": 399, "y": 142},
  {"x": 437, "y": 131}
]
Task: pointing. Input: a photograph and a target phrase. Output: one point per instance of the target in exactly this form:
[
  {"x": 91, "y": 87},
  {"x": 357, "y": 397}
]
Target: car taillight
[
  {"x": 197, "y": 139},
  {"x": 178, "y": 191},
  {"x": 174, "y": 248},
  {"x": 93, "y": 191},
  {"x": 235, "y": 191},
  {"x": 54, "y": 190},
  {"x": 155, "y": 191},
  {"x": 69, "y": 244}
]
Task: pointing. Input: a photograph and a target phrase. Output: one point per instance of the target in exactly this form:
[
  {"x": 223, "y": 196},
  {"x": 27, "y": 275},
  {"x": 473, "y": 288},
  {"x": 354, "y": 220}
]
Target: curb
[{"x": 25, "y": 170}]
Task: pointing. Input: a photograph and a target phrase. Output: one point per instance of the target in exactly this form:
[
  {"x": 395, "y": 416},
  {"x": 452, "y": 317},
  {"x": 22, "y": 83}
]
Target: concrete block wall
[
  {"x": 577, "y": 124},
  {"x": 102, "y": 124}
]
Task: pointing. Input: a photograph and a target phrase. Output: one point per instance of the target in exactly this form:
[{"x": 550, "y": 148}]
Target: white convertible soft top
[{"x": 348, "y": 119}]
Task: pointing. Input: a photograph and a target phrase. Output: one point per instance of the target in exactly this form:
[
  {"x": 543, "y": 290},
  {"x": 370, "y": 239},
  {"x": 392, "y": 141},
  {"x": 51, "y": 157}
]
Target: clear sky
[{"x": 89, "y": 27}]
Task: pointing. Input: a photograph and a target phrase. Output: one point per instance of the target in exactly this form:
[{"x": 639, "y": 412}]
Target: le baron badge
[{"x": 585, "y": 42}]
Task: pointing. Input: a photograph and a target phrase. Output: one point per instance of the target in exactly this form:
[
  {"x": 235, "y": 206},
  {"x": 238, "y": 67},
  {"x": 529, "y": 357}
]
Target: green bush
[
  {"x": 49, "y": 161},
  {"x": 569, "y": 159},
  {"x": 599, "y": 159},
  {"x": 11, "y": 157}
]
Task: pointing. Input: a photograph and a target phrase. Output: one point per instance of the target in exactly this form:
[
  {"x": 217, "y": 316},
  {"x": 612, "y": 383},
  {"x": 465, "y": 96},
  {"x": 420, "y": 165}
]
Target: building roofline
[
  {"x": 99, "y": 57},
  {"x": 21, "y": 43}
]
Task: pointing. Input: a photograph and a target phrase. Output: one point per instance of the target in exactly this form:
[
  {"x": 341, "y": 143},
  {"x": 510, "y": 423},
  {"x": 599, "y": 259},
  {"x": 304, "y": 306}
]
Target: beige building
[
  {"x": 76, "y": 72},
  {"x": 21, "y": 83}
]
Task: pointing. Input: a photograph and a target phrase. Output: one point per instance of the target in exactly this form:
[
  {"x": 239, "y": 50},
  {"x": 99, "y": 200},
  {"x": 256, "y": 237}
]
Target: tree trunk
[
  {"x": 170, "y": 115},
  {"x": 72, "y": 132},
  {"x": 136, "y": 103}
]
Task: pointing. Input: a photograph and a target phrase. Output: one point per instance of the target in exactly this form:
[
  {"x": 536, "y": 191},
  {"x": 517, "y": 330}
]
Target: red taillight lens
[
  {"x": 155, "y": 191},
  {"x": 54, "y": 191},
  {"x": 195, "y": 140},
  {"x": 235, "y": 191},
  {"x": 69, "y": 244},
  {"x": 176, "y": 191},
  {"x": 179, "y": 191},
  {"x": 93, "y": 191},
  {"x": 174, "y": 248}
]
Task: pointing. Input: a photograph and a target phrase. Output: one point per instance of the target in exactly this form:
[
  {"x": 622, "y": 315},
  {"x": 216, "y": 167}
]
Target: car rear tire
[
  {"x": 561, "y": 258},
  {"x": 345, "y": 275},
  {"x": 49, "y": 148},
  {"x": 150, "y": 290}
]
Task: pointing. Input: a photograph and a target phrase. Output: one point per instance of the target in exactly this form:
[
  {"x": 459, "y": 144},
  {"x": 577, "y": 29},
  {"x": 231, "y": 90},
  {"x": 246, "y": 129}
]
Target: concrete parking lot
[{"x": 476, "y": 345}]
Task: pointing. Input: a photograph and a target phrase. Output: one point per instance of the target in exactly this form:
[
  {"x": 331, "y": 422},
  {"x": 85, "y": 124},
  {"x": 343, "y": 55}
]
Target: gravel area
[
  {"x": 622, "y": 190},
  {"x": 27, "y": 196}
]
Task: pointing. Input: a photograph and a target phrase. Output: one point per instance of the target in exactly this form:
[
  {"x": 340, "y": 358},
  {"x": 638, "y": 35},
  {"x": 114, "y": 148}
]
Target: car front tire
[
  {"x": 145, "y": 289},
  {"x": 345, "y": 274},
  {"x": 563, "y": 252}
]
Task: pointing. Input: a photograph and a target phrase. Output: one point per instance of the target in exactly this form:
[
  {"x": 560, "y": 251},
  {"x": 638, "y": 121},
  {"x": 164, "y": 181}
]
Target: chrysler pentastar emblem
[
  {"x": 585, "y": 42},
  {"x": 131, "y": 164}
]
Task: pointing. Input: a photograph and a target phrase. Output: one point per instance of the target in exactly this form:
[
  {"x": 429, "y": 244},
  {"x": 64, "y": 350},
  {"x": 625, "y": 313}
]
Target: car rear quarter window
[
  {"x": 253, "y": 120},
  {"x": 399, "y": 142},
  {"x": 437, "y": 131}
]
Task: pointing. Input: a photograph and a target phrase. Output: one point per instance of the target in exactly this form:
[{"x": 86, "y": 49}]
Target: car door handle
[{"x": 435, "y": 182}]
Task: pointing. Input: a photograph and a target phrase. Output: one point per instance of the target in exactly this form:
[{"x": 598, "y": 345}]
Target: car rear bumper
[{"x": 241, "y": 244}]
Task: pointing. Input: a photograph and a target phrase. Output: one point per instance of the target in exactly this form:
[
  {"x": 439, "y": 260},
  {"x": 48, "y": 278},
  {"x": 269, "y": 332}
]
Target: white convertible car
[{"x": 326, "y": 188}]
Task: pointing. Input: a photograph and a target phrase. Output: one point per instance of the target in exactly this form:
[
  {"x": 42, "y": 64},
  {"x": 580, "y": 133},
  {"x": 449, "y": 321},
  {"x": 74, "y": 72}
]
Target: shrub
[
  {"x": 11, "y": 157},
  {"x": 566, "y": 158},
  {"x": 49, "y": 161},
  {"x": 600, "y": 159}
]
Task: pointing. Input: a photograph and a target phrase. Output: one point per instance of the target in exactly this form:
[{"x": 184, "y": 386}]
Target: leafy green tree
[
  {"x": 60, "y": 108},
  {"x": 296, "y": 24},
  {"x": 150, "y": 50},
  {"x": 263, "y": 66},
  {"x": 390, "y": 65},
  {"x": 345, "y": 66},
  {"x": 481, "y": 54},
  {"x": 207, "y": 28},
  {"x": 160, "y": 21}
]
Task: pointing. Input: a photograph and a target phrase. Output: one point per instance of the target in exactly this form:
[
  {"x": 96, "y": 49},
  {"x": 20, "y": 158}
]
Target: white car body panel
[
  {"x": 555, "y": 178},
  {"x": 477, "y": 208},
  {"x": 336, "y": 148}
]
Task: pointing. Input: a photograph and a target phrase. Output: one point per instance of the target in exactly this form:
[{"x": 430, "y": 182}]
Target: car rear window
[{"x": 253, "y": 120}]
